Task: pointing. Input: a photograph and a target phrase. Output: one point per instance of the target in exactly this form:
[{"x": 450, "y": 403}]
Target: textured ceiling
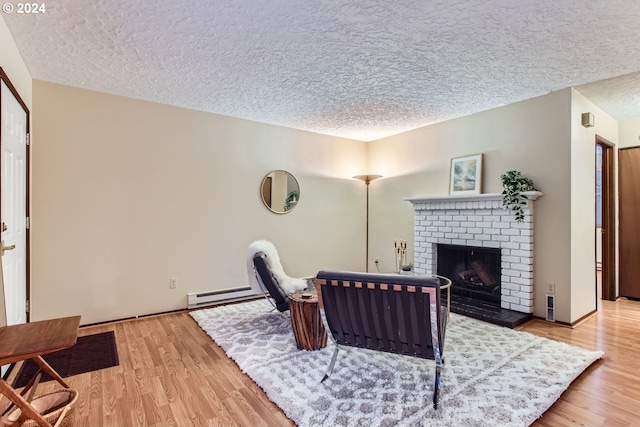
[{"x": 361, "y": 69}]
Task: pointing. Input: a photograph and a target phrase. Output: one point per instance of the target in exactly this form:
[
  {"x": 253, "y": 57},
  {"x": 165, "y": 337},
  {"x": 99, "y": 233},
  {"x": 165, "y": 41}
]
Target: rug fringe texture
[{"x": 493, "y": 376}]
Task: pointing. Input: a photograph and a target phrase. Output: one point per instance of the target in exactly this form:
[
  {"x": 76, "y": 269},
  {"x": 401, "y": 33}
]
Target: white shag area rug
[{"x": 493, "y": 376}]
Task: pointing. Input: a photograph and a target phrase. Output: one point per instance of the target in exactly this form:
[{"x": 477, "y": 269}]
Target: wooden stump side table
[{"x": 306, "y": 321}]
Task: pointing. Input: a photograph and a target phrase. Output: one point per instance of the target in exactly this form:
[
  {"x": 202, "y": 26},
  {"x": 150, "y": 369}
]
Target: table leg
[
  {"x": 49, "y": 370},
  {"x": 20, "y": 402},
  {"x": 33, "y": 384}
]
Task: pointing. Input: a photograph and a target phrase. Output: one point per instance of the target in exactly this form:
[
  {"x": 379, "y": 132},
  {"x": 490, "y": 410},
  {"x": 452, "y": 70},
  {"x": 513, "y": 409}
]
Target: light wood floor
[{"x": 172, "y": 374}]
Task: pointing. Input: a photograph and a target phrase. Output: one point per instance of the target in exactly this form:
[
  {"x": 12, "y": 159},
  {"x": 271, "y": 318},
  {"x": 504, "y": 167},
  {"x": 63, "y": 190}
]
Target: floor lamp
[{"x": 367, "y": 179}]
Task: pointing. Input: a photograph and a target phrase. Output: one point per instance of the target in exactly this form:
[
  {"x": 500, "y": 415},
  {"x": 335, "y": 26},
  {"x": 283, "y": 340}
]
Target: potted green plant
[
  {"x": 292, "y": 199},
  {"x": 514, "y": 184}
]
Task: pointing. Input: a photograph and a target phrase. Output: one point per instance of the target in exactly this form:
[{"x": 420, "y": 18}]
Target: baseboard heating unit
[{"x": 203, "y": 299}]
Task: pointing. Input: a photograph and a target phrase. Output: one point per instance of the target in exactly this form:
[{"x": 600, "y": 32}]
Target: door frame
[
  {"x": 609, "y": 229},
  {"x": 14, "y": 92}
]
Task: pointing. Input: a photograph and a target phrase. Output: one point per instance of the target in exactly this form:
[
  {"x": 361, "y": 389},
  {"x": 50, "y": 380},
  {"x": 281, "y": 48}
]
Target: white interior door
[{"x": 13, "y": 188}]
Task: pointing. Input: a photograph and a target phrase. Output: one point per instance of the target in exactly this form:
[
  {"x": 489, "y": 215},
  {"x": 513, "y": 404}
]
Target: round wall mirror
[{"x": 280, "y": 191}]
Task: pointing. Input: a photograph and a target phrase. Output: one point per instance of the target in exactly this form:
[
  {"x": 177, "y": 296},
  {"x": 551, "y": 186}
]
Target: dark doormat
[{"x": 90, "y": 353}]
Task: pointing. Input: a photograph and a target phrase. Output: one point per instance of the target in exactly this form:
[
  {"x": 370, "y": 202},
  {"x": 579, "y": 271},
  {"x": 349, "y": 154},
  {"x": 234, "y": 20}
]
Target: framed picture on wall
[{"x": 466, "y": 175}]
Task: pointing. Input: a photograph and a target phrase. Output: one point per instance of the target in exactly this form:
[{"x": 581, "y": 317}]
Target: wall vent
[
  {"x": 551, "y": 307},
  {"x": 203, "y": 299}
]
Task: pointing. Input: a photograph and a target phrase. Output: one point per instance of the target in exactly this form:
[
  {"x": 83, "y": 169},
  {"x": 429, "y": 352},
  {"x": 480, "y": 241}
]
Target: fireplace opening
[{"x": 474, "y": 272}]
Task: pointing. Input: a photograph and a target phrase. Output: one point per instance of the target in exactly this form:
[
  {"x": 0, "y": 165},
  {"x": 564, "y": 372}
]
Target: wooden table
[
  {"x": 31, "y": 341},
  {"x": 306, "y": 321}
]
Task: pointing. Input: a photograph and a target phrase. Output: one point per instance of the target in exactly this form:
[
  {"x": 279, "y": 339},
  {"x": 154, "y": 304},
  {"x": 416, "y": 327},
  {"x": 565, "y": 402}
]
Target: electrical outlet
[
  {"x": 551, "y": 288},
  {"x": 173, "y": 283}
]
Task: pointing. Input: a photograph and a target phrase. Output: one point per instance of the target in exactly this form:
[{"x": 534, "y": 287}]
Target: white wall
[
  {"x": 630, "y": 132},
  {"x": 130, "y": 193},
  {"x": 583, "y": 215},
  {"x": 532, "y": 136}
]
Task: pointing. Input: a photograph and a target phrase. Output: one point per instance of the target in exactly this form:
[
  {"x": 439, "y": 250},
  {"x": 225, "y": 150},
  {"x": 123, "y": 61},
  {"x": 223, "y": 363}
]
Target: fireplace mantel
[{"x": 531, "y": 195}]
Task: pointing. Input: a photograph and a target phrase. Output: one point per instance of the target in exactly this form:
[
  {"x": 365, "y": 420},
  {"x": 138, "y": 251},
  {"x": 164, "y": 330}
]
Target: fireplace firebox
[
  {"x": 478, "y": 221},
  {"x": 474, "y": 272}
]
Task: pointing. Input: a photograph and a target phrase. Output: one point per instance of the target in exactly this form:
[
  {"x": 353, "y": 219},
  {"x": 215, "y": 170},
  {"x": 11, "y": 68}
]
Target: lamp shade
[{"x": 367, "y": 178}]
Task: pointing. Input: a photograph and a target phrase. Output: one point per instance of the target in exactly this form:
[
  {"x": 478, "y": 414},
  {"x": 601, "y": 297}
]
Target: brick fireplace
[{"x": 479, "y": 221}]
